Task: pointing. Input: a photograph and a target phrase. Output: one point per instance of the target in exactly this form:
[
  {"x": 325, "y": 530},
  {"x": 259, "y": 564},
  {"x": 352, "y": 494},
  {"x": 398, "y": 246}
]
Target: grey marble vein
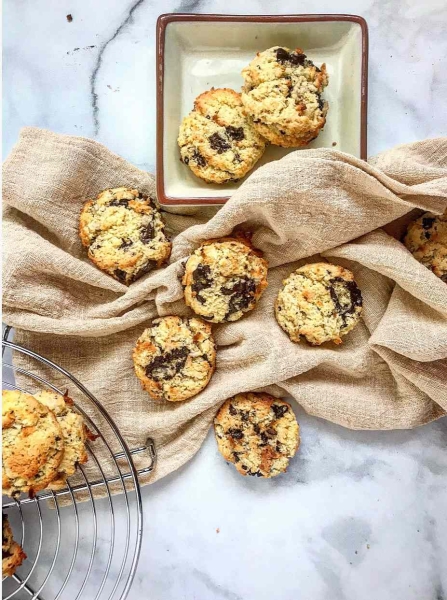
[{"x": 99, "y": 61}]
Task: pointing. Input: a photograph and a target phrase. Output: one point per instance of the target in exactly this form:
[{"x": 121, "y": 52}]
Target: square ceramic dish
[{"x": 197, "y": 52}]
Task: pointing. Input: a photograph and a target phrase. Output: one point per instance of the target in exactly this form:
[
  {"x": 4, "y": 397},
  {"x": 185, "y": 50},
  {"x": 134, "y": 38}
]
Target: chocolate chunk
[
  {"x": 235, "y": 133},
  {"x": 150, "y": 265},
  {"x": 125, "y": 244},
  {"x": 278, "y": 447},
  {"x": 279, "y": 410},
  {"x": 256, "y": 428},
  {"x": 255, "y": 474},
  {"x": 198, "y": 158},
  {"x": 282, "y": 55},
  {"x": 201, "y": 279},
  {"x": 166, "y": 366},
  {"x": 185, "y": 160},
  {"x": 207, "y": 317},
  {"x": 6, "y": 554},
  {"x": 444, "y": 278},
  {"x": 271, "y": 431},
  {"x": 355, "y": 297},
  {"x": 120, "y": 274},
  {"x": 245, "y": 416},
  {"x": 236, "y": 434},
  {"x": 147, "y": 233},
  {"x": 236, "y": 457},
  {"x": 218, "y": 143},
  {"x": 427, "y": 222},
  {"x": 320, "y": 102},
  {"x": 244, "y": 467},
  {"x": 232, "y": 410},
  {"x": 264, "y": 437},
  {"x": 122, "y": 202},
  {"x": 295, "y": 58},
  {"x": 243, "y": 293}
]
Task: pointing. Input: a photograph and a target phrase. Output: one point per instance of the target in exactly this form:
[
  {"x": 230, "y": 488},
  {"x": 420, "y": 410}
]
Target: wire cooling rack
[{"x": 82, "y": 542}]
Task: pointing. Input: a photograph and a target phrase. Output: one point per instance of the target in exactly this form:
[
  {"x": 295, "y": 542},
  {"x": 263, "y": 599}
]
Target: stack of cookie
[
  {"x": 43, "y": 441},
  {"x": 281, "y": 103}
]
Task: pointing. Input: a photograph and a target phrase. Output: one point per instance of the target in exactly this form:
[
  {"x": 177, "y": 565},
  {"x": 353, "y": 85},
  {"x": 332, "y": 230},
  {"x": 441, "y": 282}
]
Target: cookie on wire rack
[
  {"x": 75, "y": 434},
  {"x": 12, "y": 553},
  {"x": 33, "y": 444},
  {"x": 258, "y": 433}
]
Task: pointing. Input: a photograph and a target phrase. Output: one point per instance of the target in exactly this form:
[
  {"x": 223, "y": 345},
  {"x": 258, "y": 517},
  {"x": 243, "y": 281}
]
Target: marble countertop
[{"x": 360, "y": 515}]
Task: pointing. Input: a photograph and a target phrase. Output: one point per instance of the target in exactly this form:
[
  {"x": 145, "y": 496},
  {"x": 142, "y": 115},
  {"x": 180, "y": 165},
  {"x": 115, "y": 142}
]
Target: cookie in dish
[
  {"x": 426, "y": 239},
  {"x": 282, "y": 95},
  {"x": 12, "y": 553},
  {"x": 320, "y": 302},
  {"x": 175, "y": 358},
  {"x": 33, "y": 444},
  {"x": 224, "y": 279},
  {"x": 216, "y": 140},
  {"x": 258, "y": 433},
  {"x": 124, "y": 233}
]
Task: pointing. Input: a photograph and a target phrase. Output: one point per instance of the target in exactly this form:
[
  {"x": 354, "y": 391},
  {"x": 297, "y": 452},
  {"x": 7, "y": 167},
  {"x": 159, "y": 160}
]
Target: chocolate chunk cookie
[
  {"x": 320, "y": 302},
  {"x": 124, "y": 233},
  {"x": 33, "y": 444},
  {"x": 426, "y": 239},
  {"x": 75, "y": 435},
  {"x": 216, "y": 140},
  {"x": 224, "y": 279},
  {"x": 12, "y": 553},
  {"x": 175, "y": 358},
  {"x": 258, "y": 433},
  {"x": 282, "y": 96}
]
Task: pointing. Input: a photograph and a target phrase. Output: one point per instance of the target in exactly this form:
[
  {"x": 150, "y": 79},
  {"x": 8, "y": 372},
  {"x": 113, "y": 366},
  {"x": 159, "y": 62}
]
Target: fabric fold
[{"x": 312, "y": 205}]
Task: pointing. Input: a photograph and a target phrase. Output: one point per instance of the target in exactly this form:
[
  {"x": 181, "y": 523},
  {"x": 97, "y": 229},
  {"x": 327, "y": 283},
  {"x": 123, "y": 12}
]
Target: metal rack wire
[{"x": 82, "y": 542}]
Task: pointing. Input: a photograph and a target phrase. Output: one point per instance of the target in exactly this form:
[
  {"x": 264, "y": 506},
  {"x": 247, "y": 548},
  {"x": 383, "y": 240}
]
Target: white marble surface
[{"x": 360, "y": 515}]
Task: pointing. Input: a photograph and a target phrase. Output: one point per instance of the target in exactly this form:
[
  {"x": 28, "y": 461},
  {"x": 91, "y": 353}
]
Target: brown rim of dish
[{"x": 164, "y": 20}]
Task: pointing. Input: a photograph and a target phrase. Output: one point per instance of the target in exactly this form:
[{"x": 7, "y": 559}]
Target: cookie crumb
[
  {"x": 368, "y": 546},
  {"x": 334, "y": 143},
  {"x": 218, "y": 530},
  {"x": 69, "y": 18}
]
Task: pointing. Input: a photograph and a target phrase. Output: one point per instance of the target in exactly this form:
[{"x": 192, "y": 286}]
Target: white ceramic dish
[{"x": 197, "y": 52}]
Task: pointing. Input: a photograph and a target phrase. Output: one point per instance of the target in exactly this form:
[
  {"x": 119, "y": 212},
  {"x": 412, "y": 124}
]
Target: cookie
[
  {"x": 175, "y": 358},
  {"x": 217, "y": 141},
  {"x": 33, "y": 444},
  {"x": 258, "y": 433},
  {"x": 282, "y": 96},
  {"x": 320, "y": 302},
  {"x": 124, "y": 233},
  {"x": 12, "y": 553},
  {"x": 74, "y": 431},
  {"x": 426, "y": 239},
  {"x": 224, "y": 279}
]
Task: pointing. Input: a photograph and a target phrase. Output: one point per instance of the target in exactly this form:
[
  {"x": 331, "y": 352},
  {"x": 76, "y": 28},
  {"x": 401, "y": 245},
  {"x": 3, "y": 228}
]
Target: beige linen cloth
[{"x": 390, "y": 372}]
